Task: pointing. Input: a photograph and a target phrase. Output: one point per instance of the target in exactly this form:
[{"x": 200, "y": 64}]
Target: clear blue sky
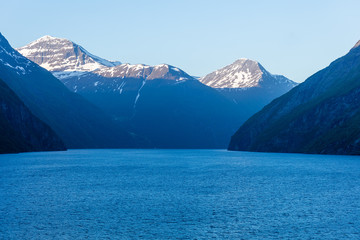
[{"x": 294, "y": 38}]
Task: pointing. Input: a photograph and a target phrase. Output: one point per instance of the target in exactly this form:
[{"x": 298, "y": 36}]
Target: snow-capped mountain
[
  {"x": 120, "y": 86},
  {"x": 76, "y": 121},
  {"x": 90, "y": 76},
  {"x": 244, "y": 73},
  {"x": 249, "y": 84},
  {"x": 59, "y": 54},
  {"x": 163, "y": 103},
  {"x": 66, "y": 59}
]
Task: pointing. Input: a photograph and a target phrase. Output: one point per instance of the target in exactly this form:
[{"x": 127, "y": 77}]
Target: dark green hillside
[{"x": 320, "y": 115}]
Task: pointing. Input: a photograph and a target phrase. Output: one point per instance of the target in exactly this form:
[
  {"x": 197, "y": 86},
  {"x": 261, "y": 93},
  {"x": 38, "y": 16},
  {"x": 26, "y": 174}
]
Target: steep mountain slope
[
  {"x": 20, "y": 130},
  {"x": 321, "y": 115},
  {"x": 163, "y": 103},
  {"x": 77, "y": 122},
  {"x": 249, "y": 84}
]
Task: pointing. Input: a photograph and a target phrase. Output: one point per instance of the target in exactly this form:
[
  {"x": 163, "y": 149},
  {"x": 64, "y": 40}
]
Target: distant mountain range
[
  {"x": 162, "y": 103},
  {"x": 321, "y": 115},
  {"x": 76, "y": 121}
]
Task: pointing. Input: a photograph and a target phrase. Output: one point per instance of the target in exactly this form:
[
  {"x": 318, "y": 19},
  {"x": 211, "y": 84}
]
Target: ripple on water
[{"x": 178, "y": 194}]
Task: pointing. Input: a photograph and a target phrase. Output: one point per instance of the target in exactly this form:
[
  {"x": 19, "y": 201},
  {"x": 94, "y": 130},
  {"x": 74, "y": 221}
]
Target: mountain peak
[
  {"x": 244, "y": 60},
  {"x": 244, "y": 73},
  {"x": 356, "y": 45},
  {"x": 60, "y": 54},
  {"x": 48, "y": 37}
]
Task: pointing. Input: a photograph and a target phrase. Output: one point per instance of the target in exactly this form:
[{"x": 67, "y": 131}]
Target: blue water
[{"x": 178, "y": 194}]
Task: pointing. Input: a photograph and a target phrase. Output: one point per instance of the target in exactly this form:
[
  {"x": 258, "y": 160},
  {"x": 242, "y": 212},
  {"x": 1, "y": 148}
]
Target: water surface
[{"x": 178, "y": 194}]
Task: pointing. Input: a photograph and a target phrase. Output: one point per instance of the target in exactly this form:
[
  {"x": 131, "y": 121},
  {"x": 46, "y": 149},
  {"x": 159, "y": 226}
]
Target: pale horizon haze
[{"x": 292, "y": 38}]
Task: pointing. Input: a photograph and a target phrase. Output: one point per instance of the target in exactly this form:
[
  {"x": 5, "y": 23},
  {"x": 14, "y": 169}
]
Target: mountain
[
  {"x": 163, "y": 103},
  {"x": 116, "y": 90},
  {"x": 321, "y": 115},
  {"x": 249, "y": 84},
  {"x": 243, "y": 73},
  {"x": 62, "y": 55},
  {"x": 20, "y": 130},
  {"x": 76, "y": 121}
]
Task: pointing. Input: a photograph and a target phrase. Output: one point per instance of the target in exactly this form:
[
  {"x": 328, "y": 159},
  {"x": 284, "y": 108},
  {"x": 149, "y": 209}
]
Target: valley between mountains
[{"x": 78, "y": 100}]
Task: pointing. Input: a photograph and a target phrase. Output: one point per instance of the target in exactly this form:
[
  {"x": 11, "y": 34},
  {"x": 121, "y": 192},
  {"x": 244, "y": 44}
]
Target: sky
[{"x": 292, "y": 38}]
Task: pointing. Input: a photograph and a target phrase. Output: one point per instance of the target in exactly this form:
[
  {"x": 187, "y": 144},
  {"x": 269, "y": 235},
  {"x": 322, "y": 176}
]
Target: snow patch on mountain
[
  {"x": 243, "y": 73},
  {"x": 63, "y": 75},
  {"x": 12, "y": 59},
  {"x": 142, "y": 71}
]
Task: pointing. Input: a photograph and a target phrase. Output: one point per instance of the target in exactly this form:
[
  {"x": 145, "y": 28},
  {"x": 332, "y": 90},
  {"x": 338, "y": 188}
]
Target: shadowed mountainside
[
  {"x": 20, "y": 130},
  {"x": 321, "y": 115}
]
